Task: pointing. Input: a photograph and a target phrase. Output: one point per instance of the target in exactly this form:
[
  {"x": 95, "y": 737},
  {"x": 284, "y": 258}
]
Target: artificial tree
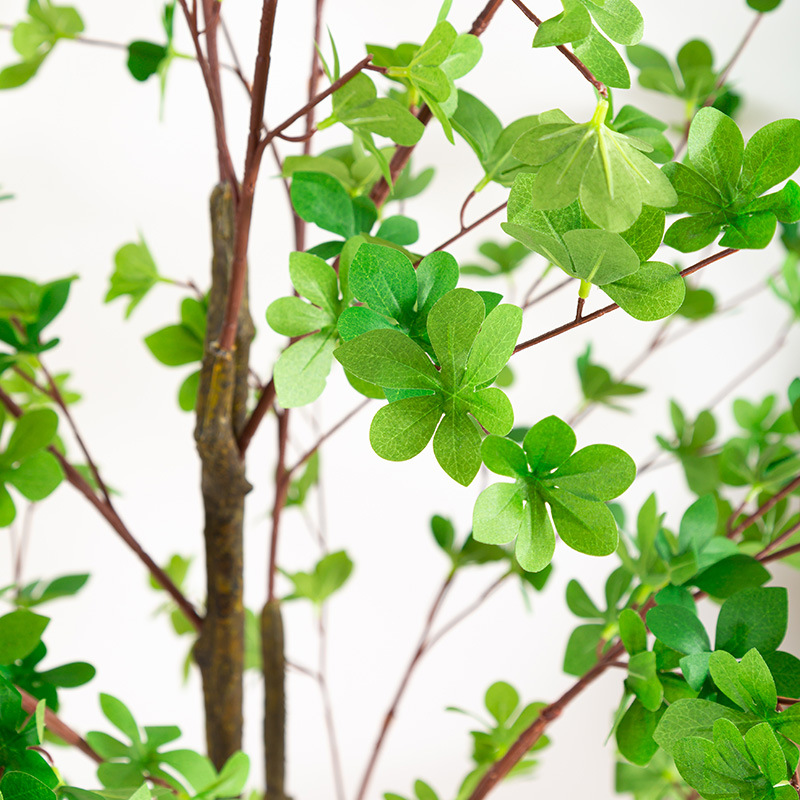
[{"x": 591, "y": 199}]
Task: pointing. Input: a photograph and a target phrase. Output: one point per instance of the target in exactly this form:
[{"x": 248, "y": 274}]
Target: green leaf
[
  {"x": 643, "y": 681},
  {"x": 632, "y": 631},
  {"x": 453, "y": 324},
  {"x": 603, "y": 60},
  {"x": 678, "y": 628},
  {"x": 752, "y": 618},
  {"x": 585, "y": 525},
  {"x": 581, "y": 653},
  {"x": 117, "y": 713},
  {"x": 635, "y": 734},
  {"x": 548, "y": 444},
  {"x": 655, "y": 291},
  {"x": 17, "y": 785},
  {"x": 399, "y": 229},
  {"x": 503, "y": 457},
  {"x": 568, "y": 26},
  {"x": 598, "y": 472},
  {"x": 37, "y": 476},
  {"x": 320, "y": 199},
  {"x": 731, "y": 575},
  {"x": 477, "y": 124},
  {"x": 444, "y": 533},
  {"x": 602, "y": 167},
  {"x": 580, "y": 604},
  {"x": 390, "y": 359},
  {"x": 135, "y": 274},
  {"x": 20, "y": 632},
  {"x": 187, "y": 394},
  {"x": 690, "y": 717},
  {"x": 457, "y": 447},
  {"x": 385, "y": 280},
  {"x": 620, "y": 20},
  {"x": 498, "y": 514},
  {"x": 33, "y": 432},
  {"x": 301, "y": 371},
  {"x": 175, "y": 345},
  {"x": 501, "y": 701},
  {"x": 315, "y": 280},
  {"x": 292, "y": 317},
  {"x": 748, "y": 683},
  {"x": 401, "y": 430},
  {"x": 762, "y": 6},
  {"x": 144, "y": 59},
  {"x": 600, "y": 257},
  {"x": 329, "y": 575},
  {"x": 771, "y": 156}
]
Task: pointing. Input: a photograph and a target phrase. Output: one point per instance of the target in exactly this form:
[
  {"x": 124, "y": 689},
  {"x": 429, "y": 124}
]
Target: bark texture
[
  {"x": 221, "y": 412},
  {"x": 272, "y": 652}
]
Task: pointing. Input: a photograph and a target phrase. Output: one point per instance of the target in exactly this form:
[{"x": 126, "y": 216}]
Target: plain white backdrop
[{"x": 91, "y": 165}]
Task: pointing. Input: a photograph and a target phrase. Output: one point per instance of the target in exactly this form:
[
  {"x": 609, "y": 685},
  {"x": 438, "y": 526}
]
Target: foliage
[{"x": 699, "y": 714}]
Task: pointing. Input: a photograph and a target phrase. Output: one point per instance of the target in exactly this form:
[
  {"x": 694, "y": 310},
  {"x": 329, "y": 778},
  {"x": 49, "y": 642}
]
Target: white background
[{"x": 83, "y": 150}]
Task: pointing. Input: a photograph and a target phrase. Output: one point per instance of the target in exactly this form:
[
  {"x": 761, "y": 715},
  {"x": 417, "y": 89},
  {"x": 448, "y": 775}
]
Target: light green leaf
[
  {"x": 389, "y": 359},
  {"x": 457, "y": 446},
  {"x": 655, "y": 291},
  {"x": 402, "y": 429},
  {"x": 292, "y": 317},
  {"x": 498, "y": 515},
  {"x": 301, "y": 371}
]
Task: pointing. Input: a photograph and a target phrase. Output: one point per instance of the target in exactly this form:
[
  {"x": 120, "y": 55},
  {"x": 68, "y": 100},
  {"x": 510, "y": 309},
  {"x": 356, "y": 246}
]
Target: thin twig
[
  {"x": 468, "y": 611},
  {"x": 392, "y": 710},
  {"x": 787, "y": 534},
  {"x": 327, "y": 435},
  {"x": 613, "y": 307},
  {"x": 765, "y": 507},
  {"x": 602, "y": 90},
  {"x": 265, "y": 402},
  {"x": 336, "y": 761},
  {"x": 109, "y": 513},
  {"x": 557, "y": 288},
  {"x": 469, "y": 228}
]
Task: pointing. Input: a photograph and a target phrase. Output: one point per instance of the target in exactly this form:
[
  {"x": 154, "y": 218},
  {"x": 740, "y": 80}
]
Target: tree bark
[{"x": 221, "y": 414}]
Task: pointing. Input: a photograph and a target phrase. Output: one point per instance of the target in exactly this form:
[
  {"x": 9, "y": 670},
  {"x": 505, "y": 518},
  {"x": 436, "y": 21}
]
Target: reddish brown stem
[
  {"x": 474, "y": 225},
  {"x": 392, "y": 710},
  {"x": 227, "y": 172},
  {"x": 613, "y": 307},
  {"x": 314, "y": 75},
  {"x": 244, "y": 208},
  {"x": 265, "y": 402},
  {"x": 78, "y": 481},
  {"x": 763, "y": 509},
  {"x": 570, "y": 56}
]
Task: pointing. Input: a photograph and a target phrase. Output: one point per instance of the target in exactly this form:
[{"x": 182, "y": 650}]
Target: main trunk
[{"x": 221, "y": 412}]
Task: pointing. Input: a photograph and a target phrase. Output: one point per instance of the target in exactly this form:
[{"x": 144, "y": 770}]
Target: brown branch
[
  {"x": 533, "y": 733},
  {"x": 392, "y": 710},
  {"x": 314, "y": 74},
  {"x": 613, "y": 306},
  {"x": 315, "y": 101},
  {"x": 244, "y": 206},
  {"x": 468, "y": 611},
  {"x": 787, "y": 534},
  {"x": 557, "y": 288},
  {"x": 763, "y": 509},
  {"x": 474, "y": 225},
  {"x": 265, "y": 402},
  {"x": 327, "y": 705},
  {"x": 227, "y": 171},
  {"x": 110, "y": 515},
  {"x": 723, "y": 77},
  {"x": 60, "y": 728},
  {"x": 570, "y": 56}
]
